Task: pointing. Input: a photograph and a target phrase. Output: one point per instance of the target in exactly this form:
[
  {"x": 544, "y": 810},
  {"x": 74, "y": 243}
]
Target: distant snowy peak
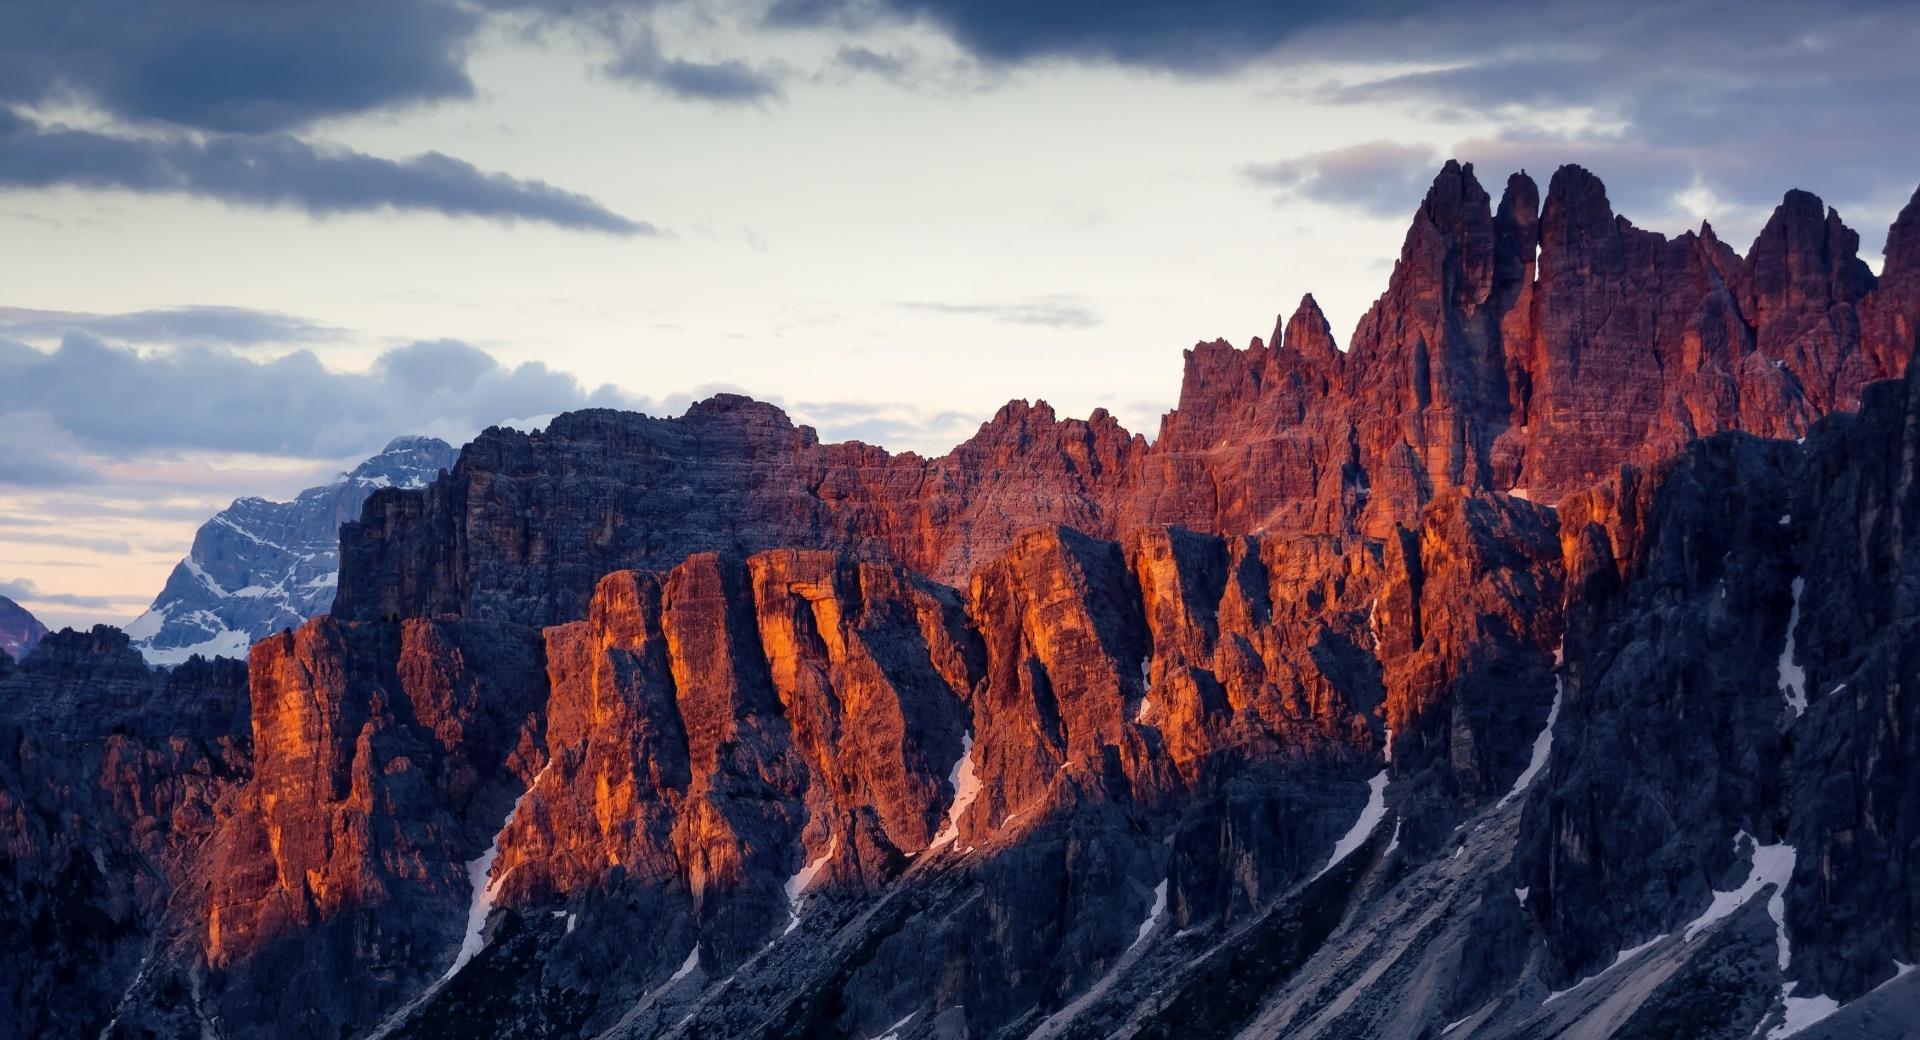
[{"x": 259, "y": 566}]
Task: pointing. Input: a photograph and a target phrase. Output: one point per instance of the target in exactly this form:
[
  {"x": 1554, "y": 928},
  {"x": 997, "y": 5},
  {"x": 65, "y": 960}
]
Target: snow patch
[
  {"x": 1625, "y": 956},
  {"x": 1772, "y": 865},
  {"x": 1522, "y": 893},
  {"x": 1370, "y": 817},
  {"x": 797, "y": 885},
  {"x": 1523, "y": 494},
  {"x": 1393, "y": 842},
  {"x": 223, "y": 643},
  {"x": 485, "y": 887},
  {"x": 893, "y": 1031},
  {"x": 687, "y": 966},
  {"x": 1153, "y": 915},
  {"x": 1793, "y": 678},
  {"x": 147, "y": 625},
  {"x": 966, "y": 787},
  {"x": 1146, "y": 689},
  {"x": 1542, "y": 744}
]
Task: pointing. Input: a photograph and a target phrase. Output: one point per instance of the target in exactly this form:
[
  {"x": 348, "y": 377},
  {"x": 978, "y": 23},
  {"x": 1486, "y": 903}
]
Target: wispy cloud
[
  {"x": 278, "y": 170},
  {"x": 233, "y": 326},
  {"x": 1380, "y": 177},
  {"x": 20, "y": 590},
  {"x": 1060, "y": 312}
]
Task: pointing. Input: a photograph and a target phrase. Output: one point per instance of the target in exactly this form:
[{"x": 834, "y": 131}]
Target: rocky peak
[
  {"x": 1452, "y": 240},
  {"x": 258, "y": 567},
  {"x": 1798, "y": 289},
  {"x": 20, "y": 631},
  {"x": 1308, "y": 334}
]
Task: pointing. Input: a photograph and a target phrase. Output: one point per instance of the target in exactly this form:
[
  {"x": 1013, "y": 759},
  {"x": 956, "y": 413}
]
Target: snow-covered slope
[{"x": 261, "y": 566}]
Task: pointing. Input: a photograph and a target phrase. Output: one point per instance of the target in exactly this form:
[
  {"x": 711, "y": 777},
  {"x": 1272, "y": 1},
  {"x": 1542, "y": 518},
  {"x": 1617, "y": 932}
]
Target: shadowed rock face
[
  {"x": 1755, "y": 673},
  {"x": 112, "y": 778},
  {"x": 20, "y": 631},
  {"x": 335, "y": 884},
  {"x": 1258, "y": 730},
  {"x": 1517, "y": 347}
]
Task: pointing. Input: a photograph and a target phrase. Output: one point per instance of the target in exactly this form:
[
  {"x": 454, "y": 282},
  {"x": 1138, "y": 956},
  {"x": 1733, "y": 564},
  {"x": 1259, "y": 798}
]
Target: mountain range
[
  {"x": 1542, "y": 664},
  {"x": 258, "y": 566}
]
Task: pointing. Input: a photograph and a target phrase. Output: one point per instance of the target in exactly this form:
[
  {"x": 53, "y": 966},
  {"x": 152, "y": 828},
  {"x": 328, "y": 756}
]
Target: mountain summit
[{"x": 258, "y": 566}]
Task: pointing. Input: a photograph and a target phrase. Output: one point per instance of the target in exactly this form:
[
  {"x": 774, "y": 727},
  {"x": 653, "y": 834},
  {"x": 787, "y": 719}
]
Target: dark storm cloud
[
  {"x": 117, "y": 402},
  {"x": 217, "y": 88},
  {"x": 1744, "y": 99},
  {"x": 237, "y": 67},
  {"x": 281, "y": 170},
  {"x": 1190, "y": 36},
  {"x": 235, "y": 326},
  {"x": 1741, "y": 99}
]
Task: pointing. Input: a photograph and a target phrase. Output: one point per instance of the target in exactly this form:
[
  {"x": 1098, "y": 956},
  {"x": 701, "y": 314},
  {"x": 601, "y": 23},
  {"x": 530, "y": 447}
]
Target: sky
[{"x": 245, "y": 245}]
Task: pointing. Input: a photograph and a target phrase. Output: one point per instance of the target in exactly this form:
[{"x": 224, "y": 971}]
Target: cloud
[
  {"x": 1379, "y": 177},
  {"x": 277, "y": 170},
  {"x": 227, "y": 67},
  {"x": 727, "y": 82},
  {"x": 1727, "y": 100},
  {"x": 1199, "y": 37},
  {"x": 1735, "y": 102},
  {"x": 234, "y": 326},
  {"x": 110, "y": 400},
  {"x": 1059, "y": 312},
  {"x": 895, "y": 425},
  {"x": 20, "y": 590}
]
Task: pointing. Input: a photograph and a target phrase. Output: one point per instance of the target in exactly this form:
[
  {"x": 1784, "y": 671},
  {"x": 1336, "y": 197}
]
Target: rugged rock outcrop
[
  {"x": 1449, "y": 685},
  {"x": 112, "y": 776},
  {"x": 337, "y": 881},
  {"x": 745, "y": 759},
  {"x": 259, "y": 567},
  {"x": 1517, "y": 348},
  {"x": 1738, "y": 717}
]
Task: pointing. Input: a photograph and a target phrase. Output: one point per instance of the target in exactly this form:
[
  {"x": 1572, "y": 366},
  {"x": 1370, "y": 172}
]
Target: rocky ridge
[
  {"x": 1457, "y": 684},
  {"x": 1518, "y": 348}
]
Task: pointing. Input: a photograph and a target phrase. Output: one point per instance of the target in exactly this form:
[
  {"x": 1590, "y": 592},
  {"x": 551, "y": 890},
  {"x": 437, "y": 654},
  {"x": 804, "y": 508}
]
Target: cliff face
[
  {"x": 977, "y": 799},
  {"x": 1753, "y": 676},
  {"x": 112, "y": 779},
  {"x": 336, "y": 882},
  {"x": 1518, "y": 347},
  {"x": 1449, "y": 684}
]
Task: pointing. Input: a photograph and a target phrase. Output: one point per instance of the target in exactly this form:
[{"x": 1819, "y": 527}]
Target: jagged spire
[{"x": 1308, "y": 332}]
